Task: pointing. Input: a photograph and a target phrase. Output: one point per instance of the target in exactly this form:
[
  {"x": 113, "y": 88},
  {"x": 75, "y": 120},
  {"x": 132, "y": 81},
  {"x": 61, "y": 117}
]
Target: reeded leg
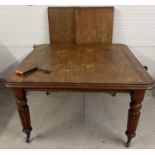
[
  {"x": 134, "y": 114},
  {"x": 23, "y": 111}
]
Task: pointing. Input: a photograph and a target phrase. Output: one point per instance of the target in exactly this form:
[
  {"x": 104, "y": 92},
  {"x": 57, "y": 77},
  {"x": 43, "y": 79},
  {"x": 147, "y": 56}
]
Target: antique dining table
[
  {"x": 81, "y": 57},
  {"x": 87, "y": 67}
]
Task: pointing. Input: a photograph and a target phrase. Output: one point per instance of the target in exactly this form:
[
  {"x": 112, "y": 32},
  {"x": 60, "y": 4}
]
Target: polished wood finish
[
  {"x": 94, "y": 25},
  {"x": 134, "y": 113},
  {"x": 23, "y": 111},
  {"x": 80, "y": 25},
  {"x": 61, "y": 24},
  {"x": 82, "y": 66},
  {"x": 81, "y": 57}
]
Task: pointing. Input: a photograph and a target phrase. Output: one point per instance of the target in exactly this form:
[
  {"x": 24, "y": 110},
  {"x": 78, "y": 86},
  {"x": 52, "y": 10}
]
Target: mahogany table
[{"x": 85, "y": 67}]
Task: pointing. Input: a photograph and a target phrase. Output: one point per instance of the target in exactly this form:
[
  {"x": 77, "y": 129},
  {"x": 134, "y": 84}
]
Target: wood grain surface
[
  {"x": 94, "y": 25},
  {"x": 87, "y": 65},
  {"x": 80, "y": 25},
  {"x": 61, "y": 24}
]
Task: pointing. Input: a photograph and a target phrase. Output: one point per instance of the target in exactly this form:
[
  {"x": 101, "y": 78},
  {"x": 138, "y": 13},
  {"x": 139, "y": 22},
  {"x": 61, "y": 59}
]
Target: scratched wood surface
[{"x": 112, "y": 65}]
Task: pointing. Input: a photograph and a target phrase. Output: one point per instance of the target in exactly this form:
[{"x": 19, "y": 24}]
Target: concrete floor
[{"x": 75, "y": 120}]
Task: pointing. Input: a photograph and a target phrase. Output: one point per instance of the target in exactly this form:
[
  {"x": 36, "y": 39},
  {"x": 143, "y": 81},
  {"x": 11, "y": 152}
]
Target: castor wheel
[
  {"x": 128, "y": 143},
  {"x": 27, "y": 140}
]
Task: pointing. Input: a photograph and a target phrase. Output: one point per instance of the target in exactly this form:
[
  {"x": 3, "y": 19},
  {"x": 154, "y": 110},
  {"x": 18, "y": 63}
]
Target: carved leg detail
[
  {"x": 23, "y": 111},
  {"x": 134, "y": 114}
]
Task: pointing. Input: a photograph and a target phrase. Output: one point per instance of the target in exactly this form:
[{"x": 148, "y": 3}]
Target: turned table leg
[
  {"x": 134, "y": 113},
  {"x": 23, "y": 111}
]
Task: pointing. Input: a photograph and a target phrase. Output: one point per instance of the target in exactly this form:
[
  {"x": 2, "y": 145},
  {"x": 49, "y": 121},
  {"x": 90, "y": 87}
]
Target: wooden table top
[{"x": 89, "y": 66}]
